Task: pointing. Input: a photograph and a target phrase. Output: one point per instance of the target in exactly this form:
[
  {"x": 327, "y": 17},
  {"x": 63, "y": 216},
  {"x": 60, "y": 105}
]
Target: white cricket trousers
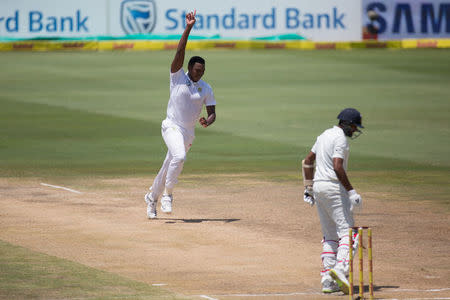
[
  {"x": 178, "y": 141},
  {"x": 333, "y": 207}
]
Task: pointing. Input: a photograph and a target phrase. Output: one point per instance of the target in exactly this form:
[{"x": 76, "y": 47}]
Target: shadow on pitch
[
  {"x": 375, "y": 288},
  {"x": 174, "y": 220}
]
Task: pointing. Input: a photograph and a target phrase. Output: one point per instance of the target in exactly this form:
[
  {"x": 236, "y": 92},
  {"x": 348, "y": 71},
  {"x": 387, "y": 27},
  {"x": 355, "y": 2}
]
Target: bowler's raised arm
[{"x": 178, "y": 60}]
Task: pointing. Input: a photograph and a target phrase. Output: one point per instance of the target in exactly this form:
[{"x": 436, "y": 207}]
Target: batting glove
[
  {"x": 355, "y": 198},
  {"x": 308, "y": 195}
]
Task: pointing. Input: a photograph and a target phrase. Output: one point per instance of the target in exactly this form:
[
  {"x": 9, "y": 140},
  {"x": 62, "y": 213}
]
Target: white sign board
[
  {"x": 52, "y": 18},
  {"x": 321, "y": 20}
]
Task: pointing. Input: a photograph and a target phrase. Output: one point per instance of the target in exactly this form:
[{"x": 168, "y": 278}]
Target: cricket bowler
[{"x": 188, "y": 94}]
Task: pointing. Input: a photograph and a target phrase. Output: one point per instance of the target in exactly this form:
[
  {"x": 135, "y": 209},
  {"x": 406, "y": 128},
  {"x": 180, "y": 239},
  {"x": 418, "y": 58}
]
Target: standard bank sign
[
  {"x": 326, "y": 20},
  {"x": 81, "y": 18},
  {"x": 138, "y": 16}
]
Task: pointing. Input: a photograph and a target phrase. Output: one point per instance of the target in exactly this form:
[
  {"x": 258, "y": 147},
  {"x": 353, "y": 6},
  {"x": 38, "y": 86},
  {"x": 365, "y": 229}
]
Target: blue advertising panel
[{"x": 403, "y": 19}]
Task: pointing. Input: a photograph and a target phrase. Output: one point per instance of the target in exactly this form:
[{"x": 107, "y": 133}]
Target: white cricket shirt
[
  {"x": 187, "y": 99},
  {"x": 330, "y": 144}
]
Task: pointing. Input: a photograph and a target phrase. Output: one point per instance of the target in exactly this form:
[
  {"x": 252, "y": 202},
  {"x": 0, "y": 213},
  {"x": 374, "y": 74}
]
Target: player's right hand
[
  {"x": 308, "y": 195},
  {"x": 190, "y": 18}
]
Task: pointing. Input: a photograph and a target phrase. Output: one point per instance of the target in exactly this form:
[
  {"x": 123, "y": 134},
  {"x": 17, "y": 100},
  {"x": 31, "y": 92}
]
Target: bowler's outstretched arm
[{"x": 178, "y": 60}]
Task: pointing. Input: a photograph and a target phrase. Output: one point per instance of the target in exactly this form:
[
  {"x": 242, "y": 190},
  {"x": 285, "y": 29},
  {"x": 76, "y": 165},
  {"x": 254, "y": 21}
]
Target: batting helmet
[{"x": 352, "y": 116}]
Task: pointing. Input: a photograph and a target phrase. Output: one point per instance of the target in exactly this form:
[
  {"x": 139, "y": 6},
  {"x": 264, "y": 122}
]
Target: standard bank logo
[{"x": 138, "y": 16}]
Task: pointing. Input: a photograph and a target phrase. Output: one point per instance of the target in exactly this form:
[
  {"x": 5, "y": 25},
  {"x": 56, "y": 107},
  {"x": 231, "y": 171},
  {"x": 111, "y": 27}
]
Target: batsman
[{"x": 327, "y": 186}]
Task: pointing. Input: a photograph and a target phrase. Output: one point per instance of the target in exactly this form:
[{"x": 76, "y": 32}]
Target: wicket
[{"x": 361, "y": 260}]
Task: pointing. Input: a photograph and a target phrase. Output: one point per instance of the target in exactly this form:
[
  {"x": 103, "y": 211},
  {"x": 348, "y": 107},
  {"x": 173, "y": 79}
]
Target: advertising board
[
  {"x": 322, "y": 20},
  {"x": 52, "y": 18},
  {"x": 406, "y": 19}
]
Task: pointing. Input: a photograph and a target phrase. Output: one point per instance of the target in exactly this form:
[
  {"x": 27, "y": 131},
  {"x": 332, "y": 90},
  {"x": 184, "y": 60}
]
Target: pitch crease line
[
  {"x": 61, "y": 187},
  {"x": 417, "y": 290},
  {"x": 270, "y": 295},
  {"x": 316, "y": 293},
  {"x": 207, "y": 297},
  {"x": 439, "y": 298}
]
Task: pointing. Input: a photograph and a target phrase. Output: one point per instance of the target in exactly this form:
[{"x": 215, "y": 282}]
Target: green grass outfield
[
  {"x": 25, "y": 274},
  {"x": 70, "y": 114},
  {"x": 100, "y": 113},
  {"x": 66, "y": 115}
]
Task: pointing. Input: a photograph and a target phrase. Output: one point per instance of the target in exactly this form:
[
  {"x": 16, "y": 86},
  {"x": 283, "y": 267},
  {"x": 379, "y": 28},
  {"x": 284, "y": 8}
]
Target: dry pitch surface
[{"x": 230, "y": 237}]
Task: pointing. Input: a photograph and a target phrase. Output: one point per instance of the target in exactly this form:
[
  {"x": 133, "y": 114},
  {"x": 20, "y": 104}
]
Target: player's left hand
[
  {"x": 308, "y": 195},
  {"x": 203, "y": 122},
  {"x": 355, "y": 198}
]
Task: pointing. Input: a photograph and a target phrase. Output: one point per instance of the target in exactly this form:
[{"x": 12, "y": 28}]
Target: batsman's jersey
[
  {"x": 187, "y": 99},
  {"x": 330, "y": 144}
]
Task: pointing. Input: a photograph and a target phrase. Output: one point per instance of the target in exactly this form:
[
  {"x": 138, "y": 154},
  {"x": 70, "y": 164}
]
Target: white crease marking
[
  {"x": 61, "y": 187},
  {"x": 207, "y": 297}
]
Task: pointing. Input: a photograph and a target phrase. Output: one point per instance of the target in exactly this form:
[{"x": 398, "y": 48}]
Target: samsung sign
[
  {"x": 399, "y": 19},
  {"x": 322, "y": 20}
]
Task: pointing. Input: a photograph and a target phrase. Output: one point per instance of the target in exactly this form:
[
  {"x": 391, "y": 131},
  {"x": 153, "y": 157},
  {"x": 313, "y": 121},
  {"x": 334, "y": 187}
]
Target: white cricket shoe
[
  {"x": 166, "y": 204},
  {"x": 330, "y": 286},
  {"x": 151, "y": 206},
  {"x": 341, "y": 280}
]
